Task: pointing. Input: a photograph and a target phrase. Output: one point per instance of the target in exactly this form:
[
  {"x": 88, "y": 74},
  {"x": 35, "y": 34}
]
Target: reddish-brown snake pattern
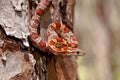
[{"x": 60, "y": 39}]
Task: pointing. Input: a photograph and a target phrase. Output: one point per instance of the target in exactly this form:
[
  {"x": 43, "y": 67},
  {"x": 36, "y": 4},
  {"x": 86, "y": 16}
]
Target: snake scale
[{"x": 60, "y": 39}]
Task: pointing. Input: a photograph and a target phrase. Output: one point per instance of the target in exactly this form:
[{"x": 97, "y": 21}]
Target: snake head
[{"x": 75, "y": 51}]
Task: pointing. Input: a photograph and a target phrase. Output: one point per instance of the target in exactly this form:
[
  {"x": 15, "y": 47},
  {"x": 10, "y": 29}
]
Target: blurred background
[{"x": 97, "y": 27}]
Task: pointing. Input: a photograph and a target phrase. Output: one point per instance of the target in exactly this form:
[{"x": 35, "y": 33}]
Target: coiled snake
[{"x": 60, "y": 39}]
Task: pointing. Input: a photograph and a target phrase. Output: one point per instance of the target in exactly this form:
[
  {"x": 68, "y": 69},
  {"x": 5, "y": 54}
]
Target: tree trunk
[{"x": 19, "y": 59}]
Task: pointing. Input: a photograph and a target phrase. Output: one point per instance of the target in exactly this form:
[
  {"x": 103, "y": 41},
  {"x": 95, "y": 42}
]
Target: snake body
[{"x": 60, "y": 39}]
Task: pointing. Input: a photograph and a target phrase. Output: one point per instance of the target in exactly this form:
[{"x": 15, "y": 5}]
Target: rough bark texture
[{"x": 19, "y": 59}]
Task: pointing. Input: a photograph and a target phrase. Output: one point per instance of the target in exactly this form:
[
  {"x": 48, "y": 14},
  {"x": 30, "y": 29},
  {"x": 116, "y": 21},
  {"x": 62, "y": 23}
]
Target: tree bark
[{"x": 19, "y": 59}]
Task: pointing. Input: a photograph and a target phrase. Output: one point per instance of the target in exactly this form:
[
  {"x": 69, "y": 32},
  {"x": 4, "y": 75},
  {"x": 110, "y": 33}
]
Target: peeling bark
[{"x": 19, "y": 59}]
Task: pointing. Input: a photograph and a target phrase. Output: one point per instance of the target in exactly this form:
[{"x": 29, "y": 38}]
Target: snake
[{"x": 60, "y": 39}]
